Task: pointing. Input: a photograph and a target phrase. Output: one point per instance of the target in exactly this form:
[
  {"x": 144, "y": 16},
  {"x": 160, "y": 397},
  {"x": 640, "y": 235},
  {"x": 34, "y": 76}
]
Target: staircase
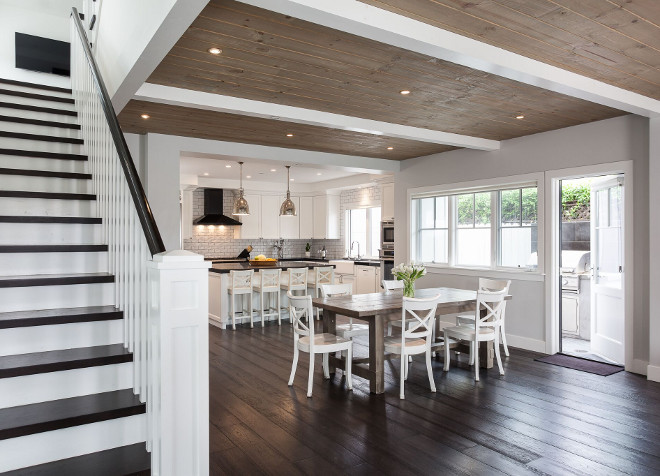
[{"x": 67, "y": 404}]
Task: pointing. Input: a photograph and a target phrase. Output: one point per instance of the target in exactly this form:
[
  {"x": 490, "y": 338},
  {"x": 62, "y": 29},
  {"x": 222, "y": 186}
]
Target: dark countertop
[
  {"x": 222, "y": 268},
  {"x": 237, "y": 260}
]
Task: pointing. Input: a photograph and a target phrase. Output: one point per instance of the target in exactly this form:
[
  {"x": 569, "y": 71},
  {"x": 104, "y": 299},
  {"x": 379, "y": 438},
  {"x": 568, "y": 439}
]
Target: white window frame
[
  {"x": 369, "y": 226},
  {"x": 487, "y": 185}
]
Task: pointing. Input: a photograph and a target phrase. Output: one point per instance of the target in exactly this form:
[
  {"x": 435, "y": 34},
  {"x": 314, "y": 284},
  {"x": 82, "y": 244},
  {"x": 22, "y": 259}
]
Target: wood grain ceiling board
[
  {"x": 203, "y": 124},
  {"x": 614, "y": 41},
  {"x": 279, "y": 59}
]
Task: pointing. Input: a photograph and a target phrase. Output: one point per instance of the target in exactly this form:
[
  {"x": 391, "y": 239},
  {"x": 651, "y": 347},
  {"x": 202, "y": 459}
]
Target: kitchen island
[{"x": 219, "y": 282}]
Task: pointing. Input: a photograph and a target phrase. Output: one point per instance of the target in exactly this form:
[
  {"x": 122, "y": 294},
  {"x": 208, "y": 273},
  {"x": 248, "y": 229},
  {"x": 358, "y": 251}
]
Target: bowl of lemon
[{"x": 261, "y": 261}]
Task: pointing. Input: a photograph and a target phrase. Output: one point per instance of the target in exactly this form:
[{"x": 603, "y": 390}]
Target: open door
[{"x": 607, "y": 294}]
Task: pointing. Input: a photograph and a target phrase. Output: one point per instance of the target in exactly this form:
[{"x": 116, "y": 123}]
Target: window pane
[
  {"x": 510, "y": 207},
  {"x": 426, "y": 207},
  {"x": 465, "y": 208},
  {"x": 473, "y": 247},
  {"x": 529, "y": 206},
  {"x": 375, "y": 231},
  {"x": 615, "y": 206},
  {"x": 519, "y": 247},
  {"x": 359, "y": 229},
  {"x": 482, "y": 209},
  {"x": 433, "y": 246},
  {"x": 441, "y": 212},
  {"x": 603, "y": 201},
  {"x": 441, "y": 246}
]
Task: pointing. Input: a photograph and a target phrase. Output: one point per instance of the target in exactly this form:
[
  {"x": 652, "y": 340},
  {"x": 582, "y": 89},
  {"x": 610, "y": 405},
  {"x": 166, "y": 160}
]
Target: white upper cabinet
[
  {"x": 251, "y": 227},
  {"x": 306, "y": 218},
  {"x": 270, "y": 217},
  {"x": 387, "y": 202},
  {"x": 290, "y": 226},
  {"x": 326, "y": 217}
]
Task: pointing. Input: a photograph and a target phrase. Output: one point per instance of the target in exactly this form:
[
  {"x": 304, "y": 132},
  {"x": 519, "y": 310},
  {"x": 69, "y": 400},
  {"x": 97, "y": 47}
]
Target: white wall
[
  {"x": 613, "y": 140},
  {"x": 48, "y": 19},
  {"x": 654, "y": 257}
]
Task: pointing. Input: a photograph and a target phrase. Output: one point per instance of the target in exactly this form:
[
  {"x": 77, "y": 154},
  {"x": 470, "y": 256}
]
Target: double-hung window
[{"x": 488, "y": 228}]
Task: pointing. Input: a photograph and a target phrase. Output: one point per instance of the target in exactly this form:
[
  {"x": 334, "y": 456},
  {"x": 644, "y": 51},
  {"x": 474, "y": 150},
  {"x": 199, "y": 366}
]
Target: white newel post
[{"x": 178, "y": 404}]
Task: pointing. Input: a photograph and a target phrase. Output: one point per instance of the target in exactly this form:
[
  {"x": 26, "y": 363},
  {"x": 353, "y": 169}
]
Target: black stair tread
[
  {"x": 52, "y": 248},
  {"x": 38, "y": 122},
  {"x": 44, "y": 173},
  {"x": 54, "y": 279},
  {"x": 44, "y": 317},
  {"x": 45, "y": 155},
  {"x": 41, "y": 97},
  {"x": 35, "y": 85},
  {"x": 48, "y": 219},
  {"x": 29, "y": 107},
  {"x": 41, "y": 137},
  {"x": 68, "y": 412},
  {"x": 47, "y": 195},
  {"x": 132, "y": 460},
  {"x": 59, "y": 360}
]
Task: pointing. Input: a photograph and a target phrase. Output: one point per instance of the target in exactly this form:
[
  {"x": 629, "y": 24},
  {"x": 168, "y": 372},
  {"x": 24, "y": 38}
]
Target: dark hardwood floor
[{"x": 536, "y": 419}]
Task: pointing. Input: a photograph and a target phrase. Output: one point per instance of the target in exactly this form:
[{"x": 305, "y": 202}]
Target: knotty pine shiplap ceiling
[
  {"x": 279, "y": 59},
  {"x": 614, "y": 41}
]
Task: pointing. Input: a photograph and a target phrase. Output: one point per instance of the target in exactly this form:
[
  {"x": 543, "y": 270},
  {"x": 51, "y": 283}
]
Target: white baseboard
[
  {"x": 535, "y": 345},
  {"x": 218, "y": 321},
  {"x": 638, "y": 367},
  {"x": 653, "y": 373}
]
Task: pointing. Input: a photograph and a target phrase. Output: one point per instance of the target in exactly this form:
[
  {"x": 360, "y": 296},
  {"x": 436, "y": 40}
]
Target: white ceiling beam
[
  {"x": 247, "y": 107},
  {"x": 380, "y": 25}
]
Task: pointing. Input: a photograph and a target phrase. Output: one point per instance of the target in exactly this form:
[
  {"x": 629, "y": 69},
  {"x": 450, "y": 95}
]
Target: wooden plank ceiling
[
  {"x": 279, "y": 59},
  {"x": 190, "y": 122},
  {"x": 614, "y": 41}
]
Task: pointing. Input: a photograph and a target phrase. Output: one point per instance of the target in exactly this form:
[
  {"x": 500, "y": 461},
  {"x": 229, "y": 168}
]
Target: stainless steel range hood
[{"x": 213, "y": 210}]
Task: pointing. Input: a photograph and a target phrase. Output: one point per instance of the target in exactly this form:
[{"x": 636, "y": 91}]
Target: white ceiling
[
  {"x": 53, "y": 7},
  {"x": 260, "y": 171}
]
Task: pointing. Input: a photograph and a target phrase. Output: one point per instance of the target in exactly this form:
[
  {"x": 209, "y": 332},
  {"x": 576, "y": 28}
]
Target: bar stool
[
  {"x": 267, "y": 281},
  {"x": 240, "y": 284},
  {"x": 321, "y": 275},
  {"x": 295, "y": 279}
]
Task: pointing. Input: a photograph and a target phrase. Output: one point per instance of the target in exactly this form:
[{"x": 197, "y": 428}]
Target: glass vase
[{"x": 409, "y": 288}]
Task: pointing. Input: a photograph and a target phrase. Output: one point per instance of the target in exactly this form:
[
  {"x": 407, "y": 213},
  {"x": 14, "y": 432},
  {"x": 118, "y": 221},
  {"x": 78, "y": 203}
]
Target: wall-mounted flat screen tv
[{"x": 42, "y": 54}]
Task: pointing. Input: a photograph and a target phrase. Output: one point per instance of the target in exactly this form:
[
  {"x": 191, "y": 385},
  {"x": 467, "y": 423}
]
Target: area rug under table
[{"x": 584, "y": 365}]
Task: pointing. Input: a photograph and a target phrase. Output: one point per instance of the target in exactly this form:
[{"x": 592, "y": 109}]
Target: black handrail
[{"x": 149, "y": 227}]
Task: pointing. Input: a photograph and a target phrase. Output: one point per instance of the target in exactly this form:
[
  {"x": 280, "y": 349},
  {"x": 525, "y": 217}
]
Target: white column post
[
  {"x": 653, "y": 371},
  {"x": 178, "y": 405}
]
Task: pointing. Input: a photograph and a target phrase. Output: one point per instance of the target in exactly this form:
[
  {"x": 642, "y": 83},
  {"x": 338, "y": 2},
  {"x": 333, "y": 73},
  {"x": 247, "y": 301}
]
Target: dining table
[{"x": 378, "y": 308}]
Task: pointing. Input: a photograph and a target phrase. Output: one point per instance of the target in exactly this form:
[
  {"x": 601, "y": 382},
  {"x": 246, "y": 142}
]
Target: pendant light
[
  {"x": 288, "y": 208},
  {"x": 241, "y": 206}
]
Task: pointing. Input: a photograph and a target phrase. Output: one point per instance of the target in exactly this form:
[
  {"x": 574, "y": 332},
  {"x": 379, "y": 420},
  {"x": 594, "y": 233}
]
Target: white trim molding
[{"x": 652, "y": 373}]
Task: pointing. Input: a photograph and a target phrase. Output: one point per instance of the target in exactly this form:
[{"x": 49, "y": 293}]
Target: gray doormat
[{"x": 584, "y": 365}]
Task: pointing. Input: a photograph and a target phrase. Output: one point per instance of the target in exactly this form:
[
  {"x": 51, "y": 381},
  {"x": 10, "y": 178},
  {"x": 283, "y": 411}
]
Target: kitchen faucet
[
  {"x": 358, "y": 247},
  {"x": 279, "y": 246}
]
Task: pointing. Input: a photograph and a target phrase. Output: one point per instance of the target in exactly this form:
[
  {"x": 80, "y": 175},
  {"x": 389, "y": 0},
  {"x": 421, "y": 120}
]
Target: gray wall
[{"x": 613, "y": 140}]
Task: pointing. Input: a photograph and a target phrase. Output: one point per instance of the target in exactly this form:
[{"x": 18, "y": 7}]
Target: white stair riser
[
  {"x": 25, "y": 89},
  {"x": 55, "y": 297},
  {"x": 42, "y": 207},
  {"x": 42, "y": 116},
  {"x": 50, "y": 233},
  {"x": 9, "y": 126},
  {"x": 40, "y": 163},
  {"x": 40, "y": 145},
  {"x": 66, "y": 384},
  {"x": 31, "y": 183},
  {"x": 22, "y": 264},
  {"x": 50, "y": 446},
  {"x": 26, "y": 340},
  {"x": 37, "y": 102}
]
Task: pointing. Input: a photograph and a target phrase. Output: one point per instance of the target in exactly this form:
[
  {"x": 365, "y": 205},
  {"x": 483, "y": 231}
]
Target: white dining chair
[
  {"x": 267, "y": 283},
  {"x": 305, "y": 340},
  {"x": 350, "y": 330},
  {"x": 295, "y": 279},
  {"x": 240, "y": 284},
  {"x": 484, "y": 328},
  {"x": 486, "y": 284},
  {"x": 418, "y": 319},
  {"x": 391, "y": 285},
  {"x": 320, "y": 275}
]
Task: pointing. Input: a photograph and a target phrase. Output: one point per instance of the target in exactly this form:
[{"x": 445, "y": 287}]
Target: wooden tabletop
[{"x": 364, "y": 305}]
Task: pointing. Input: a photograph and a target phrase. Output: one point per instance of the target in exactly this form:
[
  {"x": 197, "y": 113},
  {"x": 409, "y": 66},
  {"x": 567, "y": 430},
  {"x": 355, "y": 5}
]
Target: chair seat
[
  {"x": 325, "y": 343},
  {"x": 467, "y": 333},
  {"x": 239, "y": 291},
  {"x": 352, "y": 330},
  {"x": 413, "y": 346}
]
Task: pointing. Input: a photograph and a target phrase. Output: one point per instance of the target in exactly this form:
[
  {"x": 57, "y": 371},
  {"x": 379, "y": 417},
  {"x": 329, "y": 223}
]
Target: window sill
[{"x": 514, "y": 274}]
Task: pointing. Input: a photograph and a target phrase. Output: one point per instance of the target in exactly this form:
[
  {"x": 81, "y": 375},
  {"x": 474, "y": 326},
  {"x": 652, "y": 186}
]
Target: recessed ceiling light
[
  {"x": 206, "y": 174},
  {"x": 289, "y": 135},
  {"x": 228, "y": 166},
  {"x": 291, "y": 180},
  {"x": 405, "y": 92},
  {"x": 319, "y": 173},
  {"x": 215, "y": 51},
  {"x": 145, "y": 116},
  {"x": 520, "y": 116},
  {"x": 390, "y": 148},
  {"x": 248, "y": 176},
  {"x": 273, "y": 170}
]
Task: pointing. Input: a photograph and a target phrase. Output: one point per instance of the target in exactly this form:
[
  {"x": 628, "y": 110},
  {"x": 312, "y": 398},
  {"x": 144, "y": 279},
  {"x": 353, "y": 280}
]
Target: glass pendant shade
[
  {"x": 288, "y": 208},
  {"x": 241, "y": 206}
]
